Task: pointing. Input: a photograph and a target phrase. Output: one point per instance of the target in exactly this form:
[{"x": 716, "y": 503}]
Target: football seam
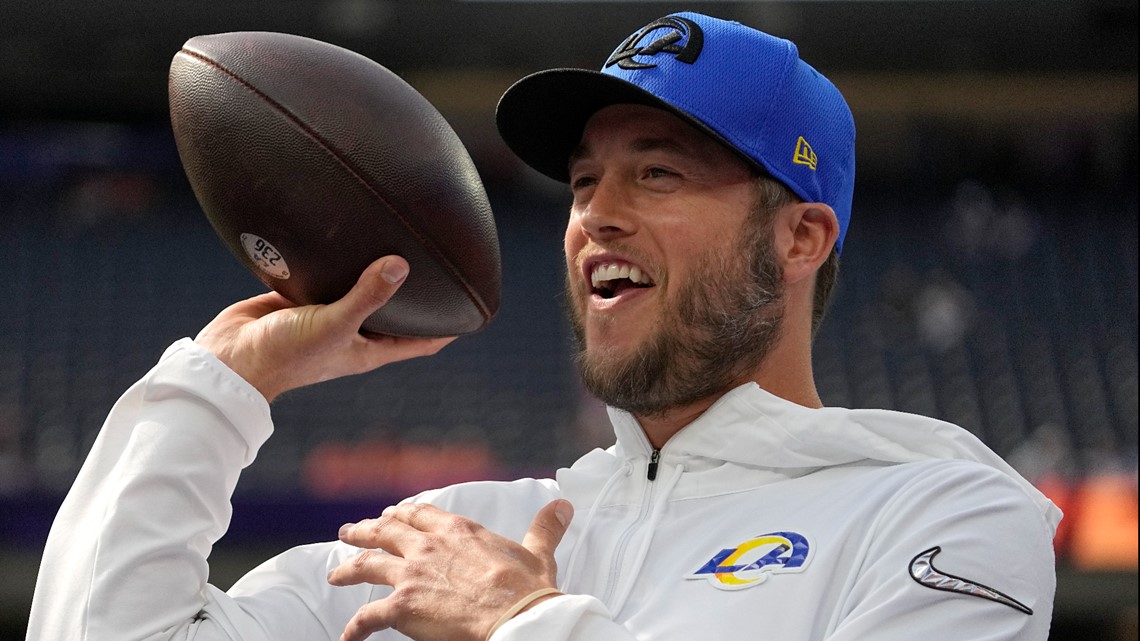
[{"x": 332, "y": 151}]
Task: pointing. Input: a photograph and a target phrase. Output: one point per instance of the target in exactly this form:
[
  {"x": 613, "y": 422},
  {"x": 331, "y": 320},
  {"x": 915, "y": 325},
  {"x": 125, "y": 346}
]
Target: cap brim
[{"x": 542, "y": 116}]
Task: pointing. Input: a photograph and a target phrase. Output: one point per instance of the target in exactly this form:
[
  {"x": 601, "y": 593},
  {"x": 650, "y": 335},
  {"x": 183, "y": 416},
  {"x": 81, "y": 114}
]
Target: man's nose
[{"x": 608, "y": 214}]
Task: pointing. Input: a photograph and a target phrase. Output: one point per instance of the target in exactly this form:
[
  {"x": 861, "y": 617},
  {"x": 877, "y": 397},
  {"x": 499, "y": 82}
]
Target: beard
[{"x": 726, "y": 321}]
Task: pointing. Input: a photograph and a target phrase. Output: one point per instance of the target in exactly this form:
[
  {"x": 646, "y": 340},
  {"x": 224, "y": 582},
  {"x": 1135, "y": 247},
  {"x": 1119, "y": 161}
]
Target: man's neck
[
  {"x": 660, "y": 428},
  {"x": 781, "y": 375}
]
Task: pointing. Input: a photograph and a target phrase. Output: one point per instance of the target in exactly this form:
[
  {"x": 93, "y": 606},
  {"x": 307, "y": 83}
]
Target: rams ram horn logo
[
  {"x": 751, "y": 562},
  {"x": 679, "y": 29}
]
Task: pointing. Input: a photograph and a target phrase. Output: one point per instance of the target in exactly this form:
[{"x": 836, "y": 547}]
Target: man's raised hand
[
  {"x": 276, "y": 346},
  {"x": 452, "y": 578}
]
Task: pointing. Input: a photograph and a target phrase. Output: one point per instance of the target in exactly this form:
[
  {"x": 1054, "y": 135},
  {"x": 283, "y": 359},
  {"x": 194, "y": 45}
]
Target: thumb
[
  {"x": 372, "y": 290},
  {"x": 547, "y": 529}
]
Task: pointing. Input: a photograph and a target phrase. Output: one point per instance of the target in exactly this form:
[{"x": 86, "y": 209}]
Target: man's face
[{"x": 671, "y": 285}]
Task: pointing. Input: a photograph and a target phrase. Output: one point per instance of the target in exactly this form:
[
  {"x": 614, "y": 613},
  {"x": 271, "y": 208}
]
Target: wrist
[
  {"x": 247, "y": 372},
  {"x": 522, "y": 605}
]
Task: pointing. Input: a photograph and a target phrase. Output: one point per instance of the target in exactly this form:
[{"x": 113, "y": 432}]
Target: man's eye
[
  {"x": 658, "y": 172},
  {"x": 583, "y": 182}
]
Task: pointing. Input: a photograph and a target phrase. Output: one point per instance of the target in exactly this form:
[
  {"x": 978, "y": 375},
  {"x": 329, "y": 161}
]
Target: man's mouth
[{"x": 610, "y": 279}]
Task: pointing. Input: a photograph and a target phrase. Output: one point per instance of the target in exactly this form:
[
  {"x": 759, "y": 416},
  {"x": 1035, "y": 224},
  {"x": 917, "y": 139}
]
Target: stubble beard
[{"x": 727, "y": 320}]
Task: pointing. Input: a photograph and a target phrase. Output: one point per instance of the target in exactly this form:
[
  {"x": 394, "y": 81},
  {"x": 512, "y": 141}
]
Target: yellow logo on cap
[{"x": 804, "y": 154}]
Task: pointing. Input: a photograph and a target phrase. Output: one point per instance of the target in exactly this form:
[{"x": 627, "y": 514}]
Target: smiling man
[
  {"x": 712, "y": 173},
  {"x": 655, "y": 198}
]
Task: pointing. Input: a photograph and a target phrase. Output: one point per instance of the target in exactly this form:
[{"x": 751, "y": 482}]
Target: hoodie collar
[{"x": 753, "y": 428}]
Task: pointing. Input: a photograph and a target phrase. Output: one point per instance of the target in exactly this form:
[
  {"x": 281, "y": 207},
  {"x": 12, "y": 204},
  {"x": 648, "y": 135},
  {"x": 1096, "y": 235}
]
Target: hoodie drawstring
[{"x": 624, "y": 470}]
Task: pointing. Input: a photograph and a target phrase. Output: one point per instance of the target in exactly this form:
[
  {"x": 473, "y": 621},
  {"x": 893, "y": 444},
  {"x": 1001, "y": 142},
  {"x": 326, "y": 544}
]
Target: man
[{"x": 712, "y": 174}]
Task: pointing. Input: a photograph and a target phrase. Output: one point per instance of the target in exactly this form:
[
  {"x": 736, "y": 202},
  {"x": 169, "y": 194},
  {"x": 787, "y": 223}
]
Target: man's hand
[
  {"x": 453, "y": 578},
  {"x": 278, "y": 347}
]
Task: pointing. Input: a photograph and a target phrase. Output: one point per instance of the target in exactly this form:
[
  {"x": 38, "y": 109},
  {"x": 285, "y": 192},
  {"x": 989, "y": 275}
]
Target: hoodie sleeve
[
  {"x": 126, "y": 555},
  {"x": 960, "y": 553},
  {"x": 572, "y": 617}
]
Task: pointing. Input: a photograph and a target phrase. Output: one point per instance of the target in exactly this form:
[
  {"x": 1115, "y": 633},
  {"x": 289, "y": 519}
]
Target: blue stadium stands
[{"x": 1013, "y": 316}]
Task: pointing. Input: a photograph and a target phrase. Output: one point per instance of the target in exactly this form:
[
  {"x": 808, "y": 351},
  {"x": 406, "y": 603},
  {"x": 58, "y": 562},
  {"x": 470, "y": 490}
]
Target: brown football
[{"x": 312, "y": 161}]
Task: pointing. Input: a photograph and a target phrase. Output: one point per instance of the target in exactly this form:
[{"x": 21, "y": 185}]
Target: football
[{"x": 311, "y": 161}]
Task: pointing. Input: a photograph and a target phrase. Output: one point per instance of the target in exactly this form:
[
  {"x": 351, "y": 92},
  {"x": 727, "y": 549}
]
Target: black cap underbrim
[{"x": 542, "y": 116}]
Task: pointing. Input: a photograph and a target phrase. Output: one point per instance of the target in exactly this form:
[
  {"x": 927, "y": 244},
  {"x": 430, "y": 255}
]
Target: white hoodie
[{"x": 765, "y": 520}]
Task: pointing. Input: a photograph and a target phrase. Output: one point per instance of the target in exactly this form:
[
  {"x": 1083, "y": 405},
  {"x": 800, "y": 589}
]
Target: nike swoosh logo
[{"x": 923, "y": 571}]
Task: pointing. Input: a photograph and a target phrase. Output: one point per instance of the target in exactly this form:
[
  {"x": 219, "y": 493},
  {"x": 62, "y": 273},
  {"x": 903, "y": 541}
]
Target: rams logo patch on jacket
[{"x": 750, "y": 563}]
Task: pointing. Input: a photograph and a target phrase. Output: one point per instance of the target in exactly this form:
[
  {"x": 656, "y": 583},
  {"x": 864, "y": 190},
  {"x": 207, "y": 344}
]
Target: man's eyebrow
[
  {"x": 658, "y": 144},
  {"x": 639, "y": 145}
]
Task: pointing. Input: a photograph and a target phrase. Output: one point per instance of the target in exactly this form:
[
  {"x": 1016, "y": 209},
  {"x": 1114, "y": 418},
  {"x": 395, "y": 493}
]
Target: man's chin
[
  {"x": 605, "y": 359},
  {"x": 612, "y": 353}
]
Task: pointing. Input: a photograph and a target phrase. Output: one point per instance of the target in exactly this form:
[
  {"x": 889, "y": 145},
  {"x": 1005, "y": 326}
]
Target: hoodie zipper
[
  {"x": 643, "y": 514},
  {"x": 623, "y": 541},
  {"x": 653, "y": 506},
  {"x": 654, "y": 458}
]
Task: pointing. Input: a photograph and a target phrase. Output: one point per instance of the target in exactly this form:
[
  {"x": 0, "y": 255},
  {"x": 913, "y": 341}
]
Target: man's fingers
[
  {"x": 371, "y": 617},
  {"x": 250, "y": 308},
  {"x": 426, "y": 517},
  {"x": 375, "y": 351},
  {"x": 372, "y": 291},
  {"x": 370, "y": 566},
  {"x": 386, "y": 533},
  {"x": 547, "y": 529},
  {"x": 262, "y": 304},
  {"x": 451, "y": 577}
]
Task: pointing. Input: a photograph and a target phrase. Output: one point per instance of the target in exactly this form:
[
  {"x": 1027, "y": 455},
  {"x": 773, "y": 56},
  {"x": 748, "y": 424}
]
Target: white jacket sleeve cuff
[
  {"x": 570, "y": 617},
  {"x": 195, "y": 368}
]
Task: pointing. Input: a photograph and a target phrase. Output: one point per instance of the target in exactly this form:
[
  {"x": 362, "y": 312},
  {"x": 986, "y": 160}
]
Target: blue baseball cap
[{"x": 743, "y": 87}]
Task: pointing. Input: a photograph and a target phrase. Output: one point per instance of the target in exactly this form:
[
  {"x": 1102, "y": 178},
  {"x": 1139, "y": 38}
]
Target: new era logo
[{"x": 804, "y": 154}]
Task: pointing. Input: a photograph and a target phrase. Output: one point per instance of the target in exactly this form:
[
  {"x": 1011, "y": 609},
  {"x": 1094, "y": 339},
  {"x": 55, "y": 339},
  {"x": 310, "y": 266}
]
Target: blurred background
[{"x": 989, "y": 277}]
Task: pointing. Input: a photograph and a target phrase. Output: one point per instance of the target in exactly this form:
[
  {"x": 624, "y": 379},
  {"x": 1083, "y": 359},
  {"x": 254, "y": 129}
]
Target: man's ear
[{"x": 805, "y": 234}]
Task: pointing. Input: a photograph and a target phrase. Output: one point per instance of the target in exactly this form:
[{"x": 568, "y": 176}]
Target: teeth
[{"x": 612, "y": 271}]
